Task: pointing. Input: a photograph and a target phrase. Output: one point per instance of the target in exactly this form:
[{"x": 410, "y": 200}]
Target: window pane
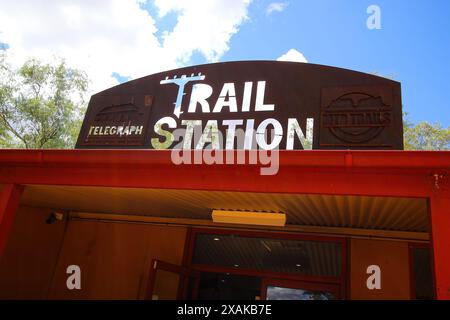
[
  {"x": 280, "y": 293},
  {"x": 277, "y": 255}
]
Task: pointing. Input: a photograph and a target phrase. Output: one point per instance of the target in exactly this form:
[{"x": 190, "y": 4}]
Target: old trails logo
[
  {"x": 356, "y": 118},
  {"x": 248, "y": 140}
]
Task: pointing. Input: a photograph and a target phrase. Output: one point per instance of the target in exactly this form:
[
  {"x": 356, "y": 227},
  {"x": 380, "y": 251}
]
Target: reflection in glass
[{"x": 280, "y": 293}]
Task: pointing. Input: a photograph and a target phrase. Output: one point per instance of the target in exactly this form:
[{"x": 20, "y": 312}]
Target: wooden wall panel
[
  {"x": 31, "y": 254},
  {"x": 114, "y": 258},
  {"x": 393, "y": 259}
]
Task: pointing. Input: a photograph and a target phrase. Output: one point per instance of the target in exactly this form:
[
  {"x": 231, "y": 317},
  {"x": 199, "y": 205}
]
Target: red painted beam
[
  {"x": 9, "y": 202},
  {"x": 384, "y": 173},
  {"x": 299, "y": 158},
  {"x": 440, "y": 237},
  {"x": 227, "y": 178}
]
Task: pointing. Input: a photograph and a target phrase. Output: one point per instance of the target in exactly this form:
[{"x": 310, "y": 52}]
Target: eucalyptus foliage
[{"x": 41, "y": 105}]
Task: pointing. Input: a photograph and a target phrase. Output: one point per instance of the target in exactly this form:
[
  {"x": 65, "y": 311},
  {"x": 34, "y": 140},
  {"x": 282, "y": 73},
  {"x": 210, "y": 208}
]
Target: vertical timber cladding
[{"x": 305, "y": 106}]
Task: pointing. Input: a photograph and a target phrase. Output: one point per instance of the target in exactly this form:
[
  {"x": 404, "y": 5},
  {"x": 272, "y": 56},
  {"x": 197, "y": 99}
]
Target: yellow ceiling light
[{"x": 249, "y": 217}]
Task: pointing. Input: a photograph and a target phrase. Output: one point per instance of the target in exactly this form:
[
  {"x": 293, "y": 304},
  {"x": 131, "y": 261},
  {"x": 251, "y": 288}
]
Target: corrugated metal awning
[{"x": 345, "y": 211}]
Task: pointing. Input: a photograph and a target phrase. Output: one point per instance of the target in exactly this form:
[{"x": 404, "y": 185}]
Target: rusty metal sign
[{"x": 248, "y": 105}]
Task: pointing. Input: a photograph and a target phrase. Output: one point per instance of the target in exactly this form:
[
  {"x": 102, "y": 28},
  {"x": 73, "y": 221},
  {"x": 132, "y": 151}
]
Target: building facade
[{"x": 244, "y": 180}]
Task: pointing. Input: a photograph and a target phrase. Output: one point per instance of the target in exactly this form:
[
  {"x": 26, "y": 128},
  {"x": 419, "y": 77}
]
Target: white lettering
[
  {"x": 374, "y": 280},
  {"x": 210, "y": 135},
  {"x": 171, "y": 123},
  {"x": 188, "y": 136},
  {"x": 228, "y": 90},
  {"x": 246, "y": 100},
  {"x": 260, "y": 92},
  {"x": 231, "y": 132},
  {"x": 374, "y": 20},
  {"x": 262, "y": 131},
  {"x": 74, "y": 280},
  {"x": 200, "y": 92},
  {"x": 294, "y": 128}
]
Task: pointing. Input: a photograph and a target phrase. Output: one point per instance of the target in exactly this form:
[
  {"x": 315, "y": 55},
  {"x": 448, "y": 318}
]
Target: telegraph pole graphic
[{"x": 181, "y": 82}]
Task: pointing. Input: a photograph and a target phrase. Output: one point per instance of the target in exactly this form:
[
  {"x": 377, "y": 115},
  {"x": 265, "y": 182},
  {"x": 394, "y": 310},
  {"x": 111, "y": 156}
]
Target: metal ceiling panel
[{"x": 381, "y": 213}]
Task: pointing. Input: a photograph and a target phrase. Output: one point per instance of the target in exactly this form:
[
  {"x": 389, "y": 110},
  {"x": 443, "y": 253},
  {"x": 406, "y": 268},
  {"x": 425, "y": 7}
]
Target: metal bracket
[{"x": 439, "y": 180}]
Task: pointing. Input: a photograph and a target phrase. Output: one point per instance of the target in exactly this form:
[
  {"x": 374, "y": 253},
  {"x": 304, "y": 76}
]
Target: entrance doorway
[
  {"x": 231, "y": 264},
  {"x": 227, "y": 286}
]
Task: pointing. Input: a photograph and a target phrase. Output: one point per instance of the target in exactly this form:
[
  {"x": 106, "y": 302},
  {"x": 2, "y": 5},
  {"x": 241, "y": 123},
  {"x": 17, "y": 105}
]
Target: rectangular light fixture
[{"x": 249, "y": 217}]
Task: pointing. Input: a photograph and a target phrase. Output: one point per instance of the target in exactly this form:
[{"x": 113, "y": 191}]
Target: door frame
[
  {"x": 184, "y": 275},
  {"x": 340, "y": 281}
]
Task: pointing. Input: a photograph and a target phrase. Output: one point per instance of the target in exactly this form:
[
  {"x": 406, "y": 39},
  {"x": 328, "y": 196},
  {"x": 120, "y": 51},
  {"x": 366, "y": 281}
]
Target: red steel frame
[
  {"x": 9, "y": 202},
  {"x": 324, "y": 281},
  {"x": 419, "y": 174}
]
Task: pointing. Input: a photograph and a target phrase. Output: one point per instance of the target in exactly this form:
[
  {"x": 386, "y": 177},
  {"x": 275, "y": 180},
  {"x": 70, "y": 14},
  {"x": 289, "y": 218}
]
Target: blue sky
[
  {"x": 412, "y": 46},
  {"x": 115, "y": 41}
]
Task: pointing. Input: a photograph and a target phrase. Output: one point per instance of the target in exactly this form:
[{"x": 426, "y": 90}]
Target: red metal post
[
  {"x": 9, "y": 202},
  {"x": 440, "y": 233}
]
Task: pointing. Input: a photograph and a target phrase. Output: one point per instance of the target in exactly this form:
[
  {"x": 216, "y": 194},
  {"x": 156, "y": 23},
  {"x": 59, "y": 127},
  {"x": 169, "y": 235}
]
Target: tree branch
[{"x": 11, "y": 128}]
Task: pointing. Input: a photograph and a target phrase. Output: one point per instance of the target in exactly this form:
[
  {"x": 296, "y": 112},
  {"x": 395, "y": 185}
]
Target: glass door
[{"x": 168, "y": 281}]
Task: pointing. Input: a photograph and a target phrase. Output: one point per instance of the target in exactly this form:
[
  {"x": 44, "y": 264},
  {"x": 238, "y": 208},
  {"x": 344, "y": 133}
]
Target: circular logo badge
[{"x": 356, "y": 118}]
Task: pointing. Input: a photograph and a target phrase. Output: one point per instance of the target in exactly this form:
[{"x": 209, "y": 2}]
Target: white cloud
[
  {"x": 292, "y": 55},
  {"x": 276, "y": 7},
  {"x": 206, "y": 26},
  {"x": 104, "y": 36}
]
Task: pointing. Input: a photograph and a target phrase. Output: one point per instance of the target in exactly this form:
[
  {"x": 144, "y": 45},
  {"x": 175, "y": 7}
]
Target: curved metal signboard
[{"x": 248, "y": 105}]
